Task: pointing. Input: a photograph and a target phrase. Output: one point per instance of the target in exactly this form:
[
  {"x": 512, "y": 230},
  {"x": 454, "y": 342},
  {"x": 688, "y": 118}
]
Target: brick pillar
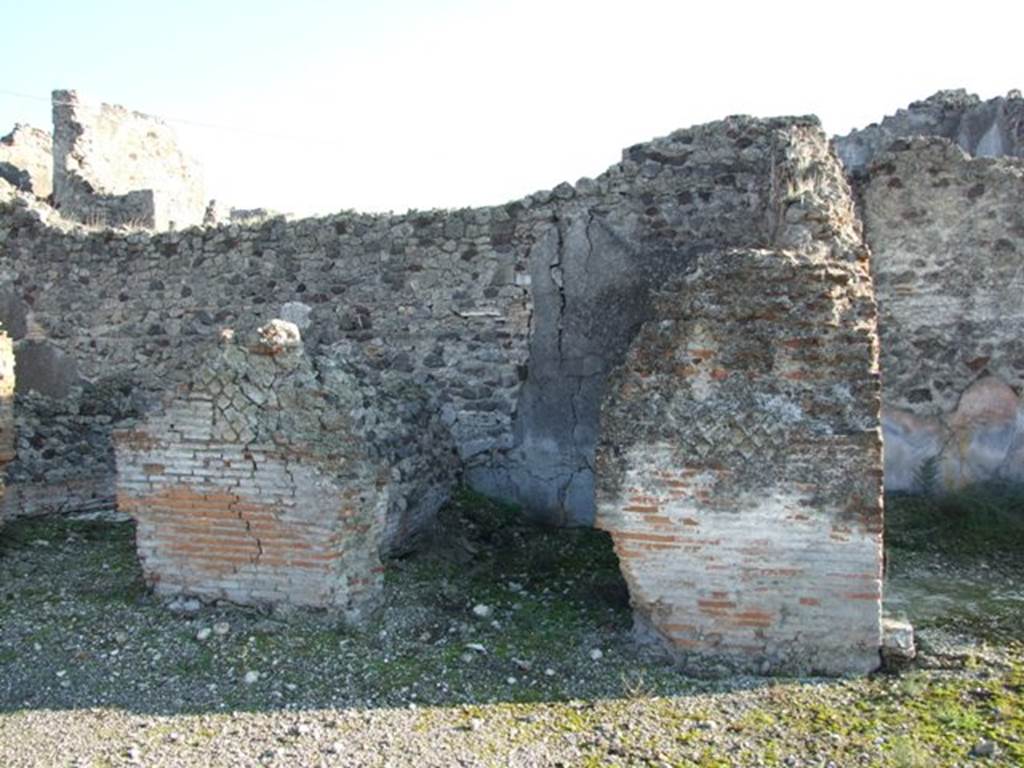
[
  {"x": 740, "y": 466},
  {"x": 276, "y": 478}
]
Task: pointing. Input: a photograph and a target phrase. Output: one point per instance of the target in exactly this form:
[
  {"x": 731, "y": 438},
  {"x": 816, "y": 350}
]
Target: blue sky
[{"x": 394, "y": 104}]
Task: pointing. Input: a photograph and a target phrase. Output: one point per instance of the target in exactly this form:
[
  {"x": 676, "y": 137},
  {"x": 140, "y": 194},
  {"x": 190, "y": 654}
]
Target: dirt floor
[{"x": 505, "y": 645}]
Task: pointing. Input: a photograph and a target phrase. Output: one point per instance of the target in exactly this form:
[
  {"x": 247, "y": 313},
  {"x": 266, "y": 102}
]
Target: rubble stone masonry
[
  {"x": 993, "y": 128},
  {"x": 513, "y": 316},
  {"x": 26, "y": 160},
  {"x": 685, "y": 343},
  {"x": 510, "y": 317},
  {"x": 116, "y": 167},
  {"x": 947, "y": 235}
]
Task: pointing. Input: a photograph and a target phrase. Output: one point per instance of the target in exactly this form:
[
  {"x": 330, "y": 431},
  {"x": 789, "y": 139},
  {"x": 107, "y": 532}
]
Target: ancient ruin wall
[
  {"x": 947, "y": 236},
  {"x": 26, "y": 160},
  {"x": 740, "y": 466},
  {"x": 116, "y": 167},
  {"x": 127, "y": 314},
  {"x": 271, "y": 478},
  {"x": 510, "y": 316},
  {"x": 592, "y": 270},
  {"x": 7, "y": 428},
  {"x": 993, "y": 128},
  {"x": 739, "y": 462}
]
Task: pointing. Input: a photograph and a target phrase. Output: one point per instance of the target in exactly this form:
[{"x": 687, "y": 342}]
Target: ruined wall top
[
  {"x": 992, "y": 128},
  {"x": 113, "y": 166}
]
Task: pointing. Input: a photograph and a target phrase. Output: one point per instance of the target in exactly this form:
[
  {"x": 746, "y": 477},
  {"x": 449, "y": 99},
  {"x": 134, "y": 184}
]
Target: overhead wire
[{"x": 184, "y": 121}]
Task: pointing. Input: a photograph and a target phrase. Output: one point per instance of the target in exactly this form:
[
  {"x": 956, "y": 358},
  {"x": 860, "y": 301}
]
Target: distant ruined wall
[
  {"x": 511, "y": 316},
  {"x": 947, "y": 236},
  {"x": 115, "y": 167},
  {"x": 26, "y": 160}
]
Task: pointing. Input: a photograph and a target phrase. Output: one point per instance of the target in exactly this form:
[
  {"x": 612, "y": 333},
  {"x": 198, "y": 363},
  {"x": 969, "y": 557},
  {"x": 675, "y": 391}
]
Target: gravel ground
[{"x": 504, "y": 646}]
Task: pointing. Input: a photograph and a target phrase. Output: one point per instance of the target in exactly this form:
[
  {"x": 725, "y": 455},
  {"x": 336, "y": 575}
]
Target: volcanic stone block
[
  {"x": 116, "y": 167},
  {"x": 739, "y": 465},
  {"x": 274, "y": 478}
]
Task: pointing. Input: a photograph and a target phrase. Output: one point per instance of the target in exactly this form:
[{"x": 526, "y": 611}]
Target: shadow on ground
[
  {"x": 498, "y": 644},
  {"x": 491, "y": 611}
]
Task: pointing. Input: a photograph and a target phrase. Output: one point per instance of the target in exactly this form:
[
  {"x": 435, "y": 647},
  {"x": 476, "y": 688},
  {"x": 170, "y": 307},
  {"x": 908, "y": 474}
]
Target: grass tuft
[{"x": 976, "y": 519}]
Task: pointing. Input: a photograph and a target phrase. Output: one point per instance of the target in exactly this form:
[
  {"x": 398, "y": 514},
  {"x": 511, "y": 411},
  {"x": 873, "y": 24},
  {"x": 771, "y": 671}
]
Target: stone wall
[
  {"x": 26, "y": 160},
  {"x": 65, "y": 457},
  {"x": 274, "y": 478},
  {"x": 115, "y": 167},
  {"x": 947, "y": 234},
  {"x": 511, "y": 316},
  {"x": 739, "y": 463},
  {"x": 7, "y": 428},
  {"x": 592, "y": 272},
  {"x": 943, "y": 221},
  {"x": 452, "y": 312}
]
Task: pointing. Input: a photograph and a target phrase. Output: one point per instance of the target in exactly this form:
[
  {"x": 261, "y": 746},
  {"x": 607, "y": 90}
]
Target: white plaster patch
[{"x": 781, "y": 407}]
